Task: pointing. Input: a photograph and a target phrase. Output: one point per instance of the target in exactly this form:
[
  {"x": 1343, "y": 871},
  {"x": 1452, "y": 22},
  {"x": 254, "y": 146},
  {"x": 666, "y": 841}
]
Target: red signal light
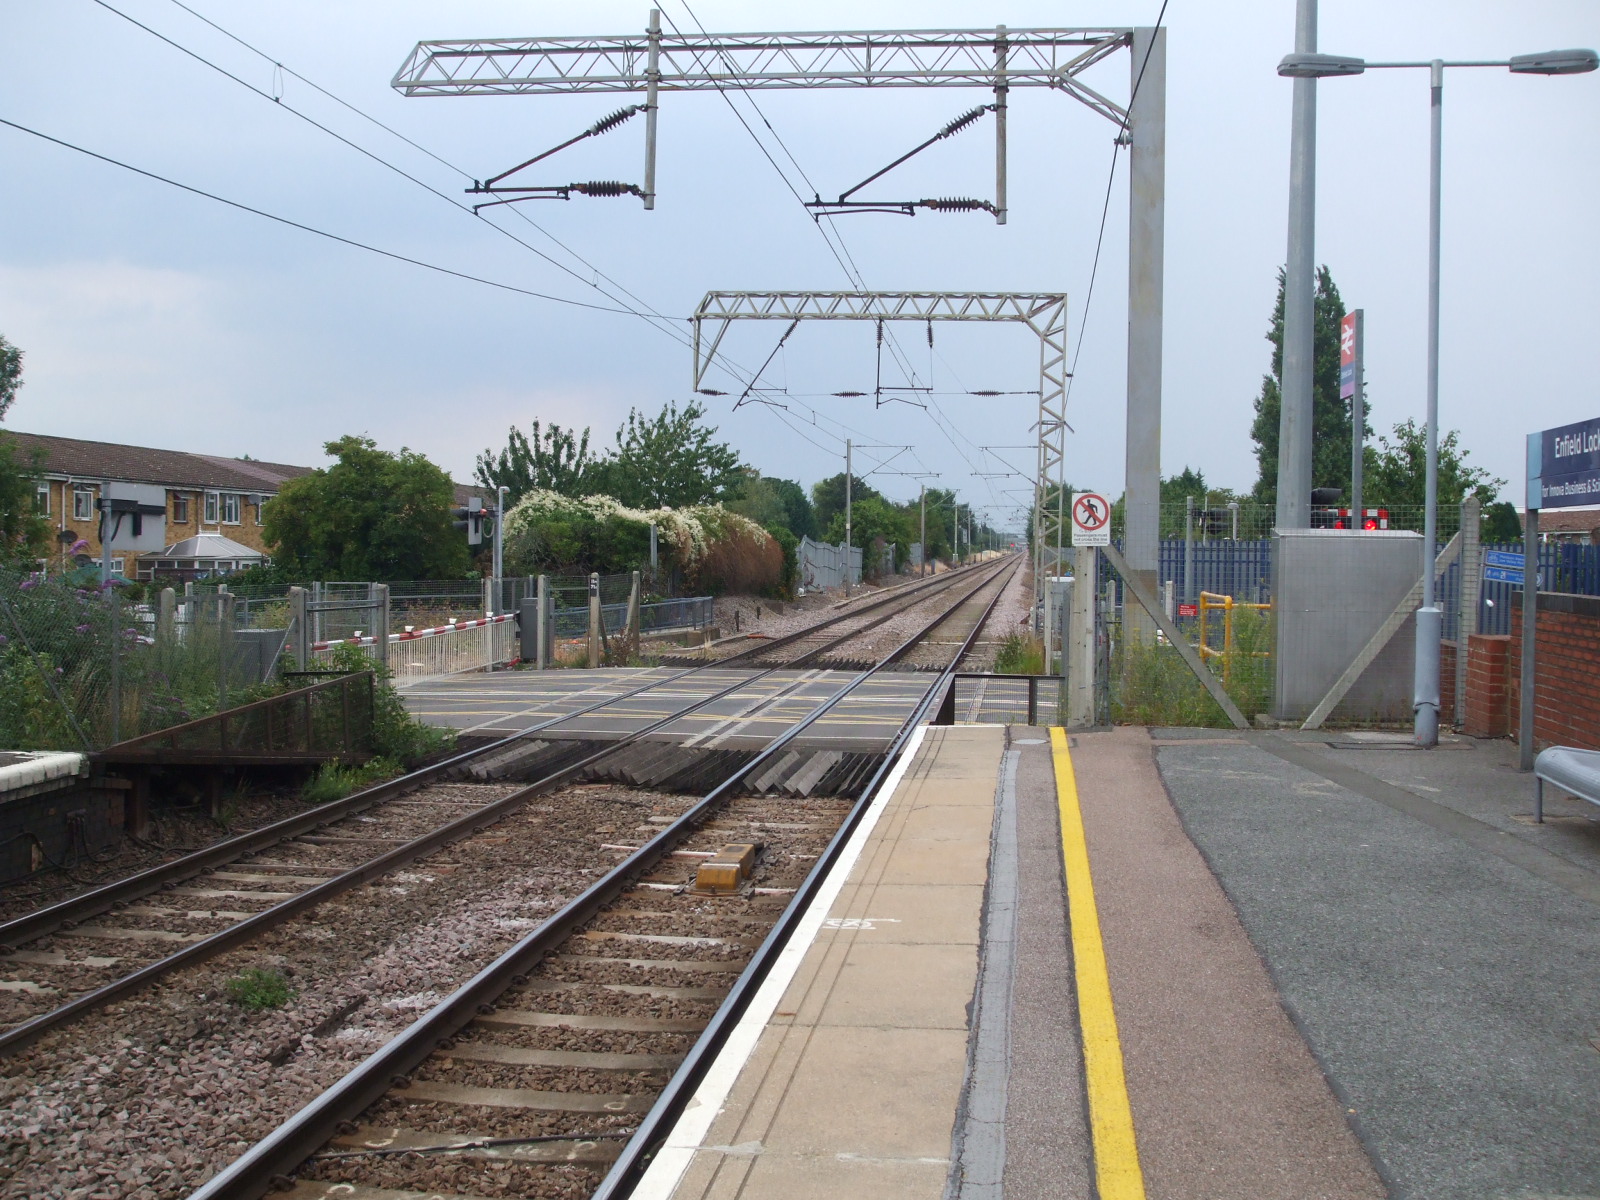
[{"x": 1370, "y": 523}]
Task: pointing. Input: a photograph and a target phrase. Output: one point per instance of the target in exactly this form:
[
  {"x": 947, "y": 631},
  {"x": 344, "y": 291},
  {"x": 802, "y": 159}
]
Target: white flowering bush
[{"x": 714, "y": 550}]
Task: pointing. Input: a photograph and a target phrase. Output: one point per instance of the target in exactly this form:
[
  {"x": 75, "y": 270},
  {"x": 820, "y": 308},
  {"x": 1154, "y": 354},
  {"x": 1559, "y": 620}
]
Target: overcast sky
[{"x": 151, "y": 316}]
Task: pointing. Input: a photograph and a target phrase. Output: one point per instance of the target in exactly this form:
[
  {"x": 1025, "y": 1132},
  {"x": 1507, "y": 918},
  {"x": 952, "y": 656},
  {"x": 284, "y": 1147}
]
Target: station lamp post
[{"x": 1430, "y": 619}]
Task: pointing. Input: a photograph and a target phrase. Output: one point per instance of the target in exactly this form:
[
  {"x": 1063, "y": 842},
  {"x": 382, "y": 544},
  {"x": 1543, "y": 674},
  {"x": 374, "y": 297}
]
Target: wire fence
[{"x": 81, "y": 668}]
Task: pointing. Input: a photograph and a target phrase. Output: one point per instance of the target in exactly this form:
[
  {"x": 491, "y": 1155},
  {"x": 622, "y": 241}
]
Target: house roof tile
[{"x": 142, "y": 464}]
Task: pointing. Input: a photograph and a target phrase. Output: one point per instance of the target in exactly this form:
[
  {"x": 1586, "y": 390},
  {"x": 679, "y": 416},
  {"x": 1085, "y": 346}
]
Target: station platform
[
  {"x": 503, "y": 703},
  {"x": 1175, "y": 963}
]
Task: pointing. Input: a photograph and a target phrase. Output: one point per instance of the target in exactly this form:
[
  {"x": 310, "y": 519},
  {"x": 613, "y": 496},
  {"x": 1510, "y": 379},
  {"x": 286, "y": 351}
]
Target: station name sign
[{"x": 1564, "y": 466}]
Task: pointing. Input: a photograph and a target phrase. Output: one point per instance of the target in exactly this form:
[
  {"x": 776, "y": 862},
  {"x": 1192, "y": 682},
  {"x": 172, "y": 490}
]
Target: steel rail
[
  {"x": 27, "y": 1032},
  {"x": 98, "y": 900},
  {"x": 271, "y": 1161}
]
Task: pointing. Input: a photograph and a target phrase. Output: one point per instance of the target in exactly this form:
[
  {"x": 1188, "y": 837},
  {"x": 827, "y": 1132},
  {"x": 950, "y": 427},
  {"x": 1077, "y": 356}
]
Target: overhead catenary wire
[
  {"x": 645, "y": 312},
  {"x": 323, "y": 233}
]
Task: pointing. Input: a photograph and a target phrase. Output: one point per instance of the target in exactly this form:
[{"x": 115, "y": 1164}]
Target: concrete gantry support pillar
[{"x": 1147, "y": 131}]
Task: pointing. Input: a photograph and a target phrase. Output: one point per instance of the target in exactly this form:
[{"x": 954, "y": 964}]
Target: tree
[
  {"x": 10, "y": 374},
  {"x": 871, "y": 518},
  {"x": 24, "y": 534},
  {"x": 1501, "y": 524},
  {"x": 373, "y": 515},
  {"x": 553, "y": 459},
  {"x": 1396, "y": 475},
  {"x": 669, "y": 461},
  {"x": 827, "y": 497},
  {"x": 775, "y": 502},
  {"x": 1330, "y": 416}
]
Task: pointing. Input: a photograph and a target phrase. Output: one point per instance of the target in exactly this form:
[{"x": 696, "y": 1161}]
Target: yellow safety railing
[{"x": 1212, "y": 601}]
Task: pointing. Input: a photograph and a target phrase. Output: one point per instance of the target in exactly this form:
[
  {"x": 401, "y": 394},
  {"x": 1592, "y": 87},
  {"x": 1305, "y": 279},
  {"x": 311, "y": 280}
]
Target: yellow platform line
[{"x": 1116, "y": 1150}]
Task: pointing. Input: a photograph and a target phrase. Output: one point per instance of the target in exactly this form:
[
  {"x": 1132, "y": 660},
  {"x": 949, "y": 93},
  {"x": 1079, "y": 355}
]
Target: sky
[{"x": 153, "y": 316}]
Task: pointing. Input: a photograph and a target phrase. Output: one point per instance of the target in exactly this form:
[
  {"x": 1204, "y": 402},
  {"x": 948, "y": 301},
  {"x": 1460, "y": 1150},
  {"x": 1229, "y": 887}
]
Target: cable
[
  {"x": 1105, "y": 208},
  {"x": 650, "y": 314},
  {"x": 416, "y": 262}
]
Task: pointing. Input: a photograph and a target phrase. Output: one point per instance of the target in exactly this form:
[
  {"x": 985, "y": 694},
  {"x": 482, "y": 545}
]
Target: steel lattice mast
[
  {"x": 1045, "y": 313},
  {"x": 1000, "y": 59}
]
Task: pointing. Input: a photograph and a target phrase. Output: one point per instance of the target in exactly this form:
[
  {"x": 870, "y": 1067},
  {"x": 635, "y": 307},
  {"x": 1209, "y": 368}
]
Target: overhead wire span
[
  {"x": 644, "y": 311},
  {"x": 335, "y": 237}
]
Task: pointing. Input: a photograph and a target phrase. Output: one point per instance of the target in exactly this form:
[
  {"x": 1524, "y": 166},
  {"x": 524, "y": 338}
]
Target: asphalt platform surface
[{"x": 1439, "y": 953}]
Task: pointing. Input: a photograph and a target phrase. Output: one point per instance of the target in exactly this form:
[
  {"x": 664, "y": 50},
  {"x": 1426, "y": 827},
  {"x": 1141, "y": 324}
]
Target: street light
[{"x": 1430, "y": 619}]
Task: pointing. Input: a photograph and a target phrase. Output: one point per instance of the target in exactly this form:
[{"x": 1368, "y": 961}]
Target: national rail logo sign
[{"x": 1091, "y": 519}]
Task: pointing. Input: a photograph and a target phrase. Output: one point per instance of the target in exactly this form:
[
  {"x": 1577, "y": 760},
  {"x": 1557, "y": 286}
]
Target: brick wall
[
  {"x": 1566, "y": 709},
  {"x": 1486, "y": 686}
]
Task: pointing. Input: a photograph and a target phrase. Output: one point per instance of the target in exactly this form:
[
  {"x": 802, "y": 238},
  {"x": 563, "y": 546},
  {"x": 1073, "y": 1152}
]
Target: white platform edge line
[{"x": 666, "y": 1171}]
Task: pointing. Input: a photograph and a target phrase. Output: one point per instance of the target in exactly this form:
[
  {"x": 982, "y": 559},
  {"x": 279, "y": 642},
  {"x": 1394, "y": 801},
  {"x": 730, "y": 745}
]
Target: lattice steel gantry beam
[
  {"x": 1045, "y": 313},
  {"x": 1000, "y": 59},
  {"x": 1051, "y": 58}
]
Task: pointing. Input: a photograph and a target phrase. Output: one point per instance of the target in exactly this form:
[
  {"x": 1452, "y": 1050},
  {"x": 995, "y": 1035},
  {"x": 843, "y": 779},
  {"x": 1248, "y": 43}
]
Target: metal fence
[
  {"x": 419, "y": 655},
  {"x": 823, "y": 566},
  {"x": 658, "y": 616},
  {"x": 327, "y": 720}
]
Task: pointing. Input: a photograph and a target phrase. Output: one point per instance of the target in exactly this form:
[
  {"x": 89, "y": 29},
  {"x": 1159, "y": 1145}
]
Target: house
[
  {"x": 1578, "y": 525},
  {"x": 186, "y": 514}
]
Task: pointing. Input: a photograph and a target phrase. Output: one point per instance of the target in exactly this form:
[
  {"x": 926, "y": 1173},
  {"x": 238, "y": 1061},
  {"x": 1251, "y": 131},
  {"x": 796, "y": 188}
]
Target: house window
[
  {"x": 230, "y": 507},
  {"x": 180, "y": 508},
  {"x": 213, "y": 502},
  {"x": 116, "y": 566},
  {"x": 82, "y": 504},
  {"x": 41, "y": 500},
  {"x": 261, "y": 510}
]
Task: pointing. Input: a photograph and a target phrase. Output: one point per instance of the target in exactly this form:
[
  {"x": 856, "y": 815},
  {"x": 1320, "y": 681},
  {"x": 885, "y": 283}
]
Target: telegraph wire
[
  {"x": 334, "y": 237},
  {"x": 1105, "y": 208},
  {"x": 652, "y": 314}
]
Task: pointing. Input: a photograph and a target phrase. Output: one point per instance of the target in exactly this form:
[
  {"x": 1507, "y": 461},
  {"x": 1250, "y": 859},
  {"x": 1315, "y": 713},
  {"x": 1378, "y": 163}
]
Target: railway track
[
  {"x": 557, "y": 1068},
  {"x": 73, "y": 957}
]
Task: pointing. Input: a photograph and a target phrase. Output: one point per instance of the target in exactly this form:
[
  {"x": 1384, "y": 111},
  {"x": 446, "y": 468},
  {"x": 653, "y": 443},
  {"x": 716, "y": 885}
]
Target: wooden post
[{"x": 595, "y": 616}]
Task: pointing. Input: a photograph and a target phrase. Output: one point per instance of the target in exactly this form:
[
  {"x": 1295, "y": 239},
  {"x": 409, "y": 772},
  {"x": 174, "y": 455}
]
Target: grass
[
  {"x": 258, "y": 989},
  {"x": 1020, "y": 654},
  {"x": 334, "y": 782},
  {"x": 1152, "y": 685}
]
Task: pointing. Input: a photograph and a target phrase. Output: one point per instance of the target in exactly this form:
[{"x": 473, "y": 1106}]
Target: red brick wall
[
  {"x": 1486, "y": 686},
  {"x": 1566, "y": 706}
]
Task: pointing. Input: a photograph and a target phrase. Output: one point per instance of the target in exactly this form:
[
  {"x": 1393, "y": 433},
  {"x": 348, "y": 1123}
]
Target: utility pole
[
  {"x": 847, "y": 470},
  {"x": 922, "y": 505},
  {"x": 1299, "y": 286},
  {"x": 499, "y": 546}
]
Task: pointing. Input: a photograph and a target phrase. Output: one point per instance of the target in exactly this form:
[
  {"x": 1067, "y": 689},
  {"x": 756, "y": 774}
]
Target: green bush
[
  {"x": 1152, "y": 685},
  {"x": 1020, "y": 654},
  {"x": 334, "y": 782},
  {"x": 256, "y": 988}
]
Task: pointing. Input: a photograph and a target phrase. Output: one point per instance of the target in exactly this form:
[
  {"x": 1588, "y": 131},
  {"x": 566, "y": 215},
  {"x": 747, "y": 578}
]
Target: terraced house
[{"x": 190, "y": 514}]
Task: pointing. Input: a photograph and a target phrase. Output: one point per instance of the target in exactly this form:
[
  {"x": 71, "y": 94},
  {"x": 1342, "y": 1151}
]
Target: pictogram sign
[{"x": 1091, "y": 519}]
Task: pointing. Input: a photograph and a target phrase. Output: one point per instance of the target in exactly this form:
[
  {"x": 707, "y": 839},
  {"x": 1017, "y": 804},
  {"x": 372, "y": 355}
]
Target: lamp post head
[
  {"x": 1317, "y": 66},
  {"x": 1555, "y": 62}
]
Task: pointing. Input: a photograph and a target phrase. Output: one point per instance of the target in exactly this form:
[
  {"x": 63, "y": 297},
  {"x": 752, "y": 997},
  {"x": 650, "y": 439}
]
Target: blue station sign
[{"x": 1564, "y": 466}]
